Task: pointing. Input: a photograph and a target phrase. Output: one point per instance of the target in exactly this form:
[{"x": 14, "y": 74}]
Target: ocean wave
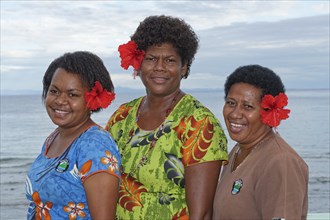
[
  {"x": 16, "y": 165},
  {"x": 318, "y": 180}
]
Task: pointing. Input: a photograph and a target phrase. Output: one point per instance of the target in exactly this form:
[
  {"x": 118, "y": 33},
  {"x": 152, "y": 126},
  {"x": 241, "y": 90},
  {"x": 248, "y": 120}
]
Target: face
[
  {"x": 242, "y": 114},
  {"x": 162, "y": 69},
  {"x": 65, "y": 100}
]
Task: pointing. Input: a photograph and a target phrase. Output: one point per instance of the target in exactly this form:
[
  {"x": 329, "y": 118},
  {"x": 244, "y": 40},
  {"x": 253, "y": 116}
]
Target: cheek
[
  {"x": 255, "y": 121},
  {"x": 225, "y": 112}
]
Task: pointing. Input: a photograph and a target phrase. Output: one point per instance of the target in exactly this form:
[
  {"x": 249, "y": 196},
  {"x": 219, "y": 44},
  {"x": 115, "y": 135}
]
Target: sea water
[{"x": 25, "y": 125}]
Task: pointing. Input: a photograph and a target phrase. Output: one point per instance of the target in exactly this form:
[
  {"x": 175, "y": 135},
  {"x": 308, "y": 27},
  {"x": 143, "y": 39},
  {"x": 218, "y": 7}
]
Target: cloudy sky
[{"x": 290, "y": 37}]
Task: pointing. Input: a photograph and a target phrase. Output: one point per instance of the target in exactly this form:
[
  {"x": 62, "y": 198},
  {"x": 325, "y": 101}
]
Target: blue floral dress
[{"x": 54, "y": 186}]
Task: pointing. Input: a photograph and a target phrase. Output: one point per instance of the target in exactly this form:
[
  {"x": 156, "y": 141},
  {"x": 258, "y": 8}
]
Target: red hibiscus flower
[
  {"x": 98, "y": 97},
  {"x": 273, "y": 111},
  {"x": 130, "y": 55}
]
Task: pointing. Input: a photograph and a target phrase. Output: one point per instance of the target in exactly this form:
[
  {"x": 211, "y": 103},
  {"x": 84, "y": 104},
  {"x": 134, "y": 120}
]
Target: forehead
[
  {"x": 63, "y": 77},
  {"x": 162, "y": 48},
  {"x": 244, "y": 91}
]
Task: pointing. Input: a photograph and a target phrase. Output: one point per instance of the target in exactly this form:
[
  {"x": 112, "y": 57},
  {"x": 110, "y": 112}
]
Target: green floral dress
[{"x": 152, "y": 179}]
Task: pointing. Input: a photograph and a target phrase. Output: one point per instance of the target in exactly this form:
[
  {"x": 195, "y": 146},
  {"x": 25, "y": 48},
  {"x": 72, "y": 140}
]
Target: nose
[
  {"x": 61, "y": 99},
  {"x": 159, "y": 65},
  {"x": 236, "y": 112}
]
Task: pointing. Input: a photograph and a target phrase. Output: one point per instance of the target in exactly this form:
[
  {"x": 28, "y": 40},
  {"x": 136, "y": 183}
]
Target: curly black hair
[
  {"x": 155, "y": 30},
  {"x": 87, "y": 65},
  {"x": 261, "y": 77}
]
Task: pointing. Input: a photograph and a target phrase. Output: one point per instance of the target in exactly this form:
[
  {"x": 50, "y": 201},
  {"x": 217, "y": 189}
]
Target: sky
[{"x": 289, "y": 37}]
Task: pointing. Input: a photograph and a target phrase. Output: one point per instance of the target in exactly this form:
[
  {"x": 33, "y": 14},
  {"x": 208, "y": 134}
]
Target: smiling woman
[
  {"x": 79, "y": 157},
  {"x": 265, "y": 177},
  {"x": 172, "y": 146}
]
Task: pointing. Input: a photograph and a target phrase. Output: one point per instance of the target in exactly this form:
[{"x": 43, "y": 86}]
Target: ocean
[{"x": 25, "y": 125}]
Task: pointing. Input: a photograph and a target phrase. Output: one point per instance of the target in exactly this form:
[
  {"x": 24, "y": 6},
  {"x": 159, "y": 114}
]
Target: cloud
[{"x": 292, "y": 37}]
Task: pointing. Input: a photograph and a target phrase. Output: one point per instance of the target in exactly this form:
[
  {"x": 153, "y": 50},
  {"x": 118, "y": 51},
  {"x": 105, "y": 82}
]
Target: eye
[
  {"x": 71, "y": 94},
  {"x": 170, "y": 60},
  {"x": 230, "y": 103},
  {"x": 52, "y": 91},
  {"x": 149, "y": 58},
  {"x": 248, "y": 107}
]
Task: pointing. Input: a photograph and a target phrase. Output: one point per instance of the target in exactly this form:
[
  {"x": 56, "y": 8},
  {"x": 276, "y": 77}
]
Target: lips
[
  {"x": 236, "y": 128},
  {"x": 159, "y": 79},
  {"x": 60, "y": 113}
]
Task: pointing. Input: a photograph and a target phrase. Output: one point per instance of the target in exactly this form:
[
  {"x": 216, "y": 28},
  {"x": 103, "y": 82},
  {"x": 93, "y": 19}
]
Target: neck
[
  {"x": 154, "y": 101},
  {"x": 154, "y": 110},
  {"x": 75, "y": 131},
  {"x": 261, "y": 138}
]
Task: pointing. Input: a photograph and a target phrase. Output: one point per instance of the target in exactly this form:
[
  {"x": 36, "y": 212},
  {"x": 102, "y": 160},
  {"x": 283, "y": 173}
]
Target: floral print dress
[
  {"x": 152, "y": 179},
  {"x": 54, "y": 186}
]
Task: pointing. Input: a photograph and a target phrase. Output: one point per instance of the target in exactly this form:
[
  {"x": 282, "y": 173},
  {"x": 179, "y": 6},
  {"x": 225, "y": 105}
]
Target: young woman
[{"x": 76, "y": 174}]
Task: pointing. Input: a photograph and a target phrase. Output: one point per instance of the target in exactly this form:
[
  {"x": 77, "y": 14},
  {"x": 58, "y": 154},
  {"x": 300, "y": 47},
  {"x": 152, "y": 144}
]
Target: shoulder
[
  {"x": 96, "y": 133},
  {"x": 131, "y": 103},
  {"x": 97, "y": 136},
  {"x": 123, "y": 112},
  {"x": 278, "y": 151},
  {"x": 196, "y": 108}
]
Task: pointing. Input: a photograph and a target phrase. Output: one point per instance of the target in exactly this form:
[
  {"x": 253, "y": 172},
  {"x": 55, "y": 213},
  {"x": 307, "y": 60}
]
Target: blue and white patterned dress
[{"x": 54, "y": 186}]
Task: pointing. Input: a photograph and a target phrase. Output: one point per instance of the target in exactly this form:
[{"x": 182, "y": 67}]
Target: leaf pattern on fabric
[
  {"x": 130, "y": 192},
  {"x": 142, "y": 140},
  {"x": 174, "y": 170},
  {"x": 83, "y": 171},
  {"x": 119, "y": 115},
  {"x": 196, "y": 137},
  {"x": 165, "y": 199},
  {"x": 183, "y": 215}
]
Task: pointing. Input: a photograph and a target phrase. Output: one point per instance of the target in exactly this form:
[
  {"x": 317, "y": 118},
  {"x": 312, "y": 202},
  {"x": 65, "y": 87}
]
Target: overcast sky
[{"x": 290, "y": 37}]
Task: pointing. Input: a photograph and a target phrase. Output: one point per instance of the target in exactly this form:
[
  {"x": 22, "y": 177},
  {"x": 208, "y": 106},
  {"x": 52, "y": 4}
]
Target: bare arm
[
  {"x": 201, "y": 183},
  {"x": 102, "y": 195}
]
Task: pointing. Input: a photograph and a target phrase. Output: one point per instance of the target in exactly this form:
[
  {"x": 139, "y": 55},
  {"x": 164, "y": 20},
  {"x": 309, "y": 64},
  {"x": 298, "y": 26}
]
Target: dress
[
  {"x": 272, "y": 182},
  {"x": 155, "y": 190},
  {"x": 54, "y": 186}
]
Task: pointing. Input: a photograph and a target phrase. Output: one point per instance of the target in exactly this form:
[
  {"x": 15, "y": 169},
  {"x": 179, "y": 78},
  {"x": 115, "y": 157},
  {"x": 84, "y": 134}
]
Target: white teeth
[
  {"x": 60, "y": 111},
  {"x": 236, "y": 125}
]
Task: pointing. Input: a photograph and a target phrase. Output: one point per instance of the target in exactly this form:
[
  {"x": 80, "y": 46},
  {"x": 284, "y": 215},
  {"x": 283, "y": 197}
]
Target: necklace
[
  {"x": 144, "y": 159},
  {"x": 233, "y": 167}
]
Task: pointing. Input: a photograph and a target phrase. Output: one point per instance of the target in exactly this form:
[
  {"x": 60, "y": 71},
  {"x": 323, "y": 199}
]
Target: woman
[
  {"x": 77, "y": 173},
  {"x": 172, "y": 146},
  {"x": 265, "y": 177}
]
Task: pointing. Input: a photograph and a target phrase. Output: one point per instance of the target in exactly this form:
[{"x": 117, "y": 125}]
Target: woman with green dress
[{"x": 172, "y": 146}]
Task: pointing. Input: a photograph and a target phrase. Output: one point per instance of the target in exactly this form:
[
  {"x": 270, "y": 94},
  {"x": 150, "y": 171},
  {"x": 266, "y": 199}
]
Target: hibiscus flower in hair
[
  {"x": 98, "y": 97},
  {"x": 273, "y": 109},
  {"x": 130, "y": 55}
]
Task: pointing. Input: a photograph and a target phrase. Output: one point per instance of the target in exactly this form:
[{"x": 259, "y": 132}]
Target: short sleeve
[
  {"x": 98, "y": 153},
  {"x": 202, "y": 137},
  {"x": 283, "y": 188}
]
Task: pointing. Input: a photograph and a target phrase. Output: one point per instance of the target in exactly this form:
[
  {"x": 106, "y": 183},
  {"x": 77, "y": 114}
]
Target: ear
[{"x": 183, "y": 70}]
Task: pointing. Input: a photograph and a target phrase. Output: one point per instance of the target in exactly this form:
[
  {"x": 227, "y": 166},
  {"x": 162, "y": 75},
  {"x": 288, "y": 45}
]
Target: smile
[
  {"x": 159, "y": 79},
  {"x": 236, "y": 128}
]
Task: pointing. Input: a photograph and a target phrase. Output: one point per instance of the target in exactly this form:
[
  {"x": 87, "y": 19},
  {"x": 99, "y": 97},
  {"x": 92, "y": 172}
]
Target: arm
[
  {"x": 200, "y": 183},
  {"x": 102, "y": 195}
]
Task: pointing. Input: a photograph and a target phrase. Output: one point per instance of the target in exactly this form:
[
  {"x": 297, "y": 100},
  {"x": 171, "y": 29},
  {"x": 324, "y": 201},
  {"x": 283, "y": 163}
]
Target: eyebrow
[{"x": 70, "y": 90}]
